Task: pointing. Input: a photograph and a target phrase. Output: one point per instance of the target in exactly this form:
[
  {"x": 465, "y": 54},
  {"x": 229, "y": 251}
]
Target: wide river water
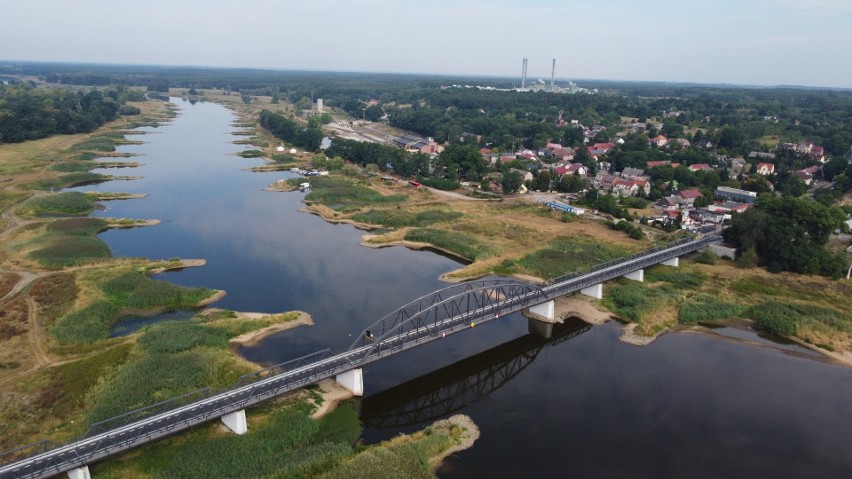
[{"x": 583, "y": 404}]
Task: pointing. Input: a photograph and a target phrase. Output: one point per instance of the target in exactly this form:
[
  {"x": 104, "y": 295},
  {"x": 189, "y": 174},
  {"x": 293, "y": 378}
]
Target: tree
[
  {"x": 788, "y": 234},
  {"x": 511, "y": 182}
]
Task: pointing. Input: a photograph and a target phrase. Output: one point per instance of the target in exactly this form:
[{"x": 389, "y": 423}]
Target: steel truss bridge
[{"x": 426, "y": 319}]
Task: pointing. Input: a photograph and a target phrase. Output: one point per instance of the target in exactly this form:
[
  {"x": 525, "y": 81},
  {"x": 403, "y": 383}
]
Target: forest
[{"x": 29, "y": 113}]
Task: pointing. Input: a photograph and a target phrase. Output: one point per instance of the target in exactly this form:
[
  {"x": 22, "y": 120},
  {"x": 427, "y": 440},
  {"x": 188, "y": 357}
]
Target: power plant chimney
[
  {"x": 524, "y": 75},
  {"x": 552, "y": 74}
]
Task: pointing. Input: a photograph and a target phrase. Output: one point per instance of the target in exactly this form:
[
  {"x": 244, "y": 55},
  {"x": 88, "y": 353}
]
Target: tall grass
[
  {"x": 86, "y": 325},
  {"x": 402, "y": 459},
  {"x": 69, "y": 250},
  {"x": 70, "y": 203},
  {"x": 788, "y": 319},
  {"x": 633, "y": 301},
  {"x": 564, "y": 255},
  {"x": 340, "y": 194},
  {"x": 73, "y": 166},
  {"x": 452, "y": 241},
  {"x": 400, "y": 218},
  {"x": 703, "y": 307},
  {"x": 97, "y": 143},
  {"x": 154, "y": 378},
  {"x": 136, "y": 290},
  {"x": 678, "y": 278},
  {"x": 78, "y": 226},
  {"x": 182, "y": 336}
]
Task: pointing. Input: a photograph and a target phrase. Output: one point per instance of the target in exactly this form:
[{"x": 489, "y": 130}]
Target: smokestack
[
  {"x": 552, "y": 74},
  {"x": 524, "y": 75}
]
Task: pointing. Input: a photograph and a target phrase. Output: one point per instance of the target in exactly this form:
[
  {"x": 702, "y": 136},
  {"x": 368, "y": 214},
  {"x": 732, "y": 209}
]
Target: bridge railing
[{"x": 282, "y": 367}]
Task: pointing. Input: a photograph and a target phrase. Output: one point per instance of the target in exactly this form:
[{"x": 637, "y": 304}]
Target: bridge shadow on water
[{"x": 450, "y": 389}]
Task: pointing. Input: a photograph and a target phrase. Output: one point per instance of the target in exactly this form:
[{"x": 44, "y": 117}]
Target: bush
[{"x": 440, "y": 183}]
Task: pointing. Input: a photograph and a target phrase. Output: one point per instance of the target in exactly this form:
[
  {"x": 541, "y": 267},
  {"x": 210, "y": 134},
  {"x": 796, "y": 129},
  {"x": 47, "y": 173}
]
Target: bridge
[{"x": 426, "y": 319}]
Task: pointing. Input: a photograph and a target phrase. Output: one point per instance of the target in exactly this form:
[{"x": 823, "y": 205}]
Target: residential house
[
  {"x": 700, "y": 167},
  {"x": 660, "y": 141},
  {"x": 605, "y": 147},
  {"x": 632, "y": 173},
  {"x": 805, "y": 147},
  {"x": 688, "y": 197},
  {"x": 669, "y": 203},
  {"x": 703, "y": 215},
  {"x": 683, "y": 142},
  {"x": 622, "y": 187},
  {"x": 818, "y": 154},
  {"x": 738, "y": 166},
  {"x": 572, "y": 169},
  {"x": 807, "y": 174},
  {"x": 525, "y": 175},
  {"x": 643, "y": 185},
  {"x": 705, "y": 144},
  {"x": 605, "y": 182},
  {"x": 765, "y": 169},
  {"x": 562, "y": 154}
]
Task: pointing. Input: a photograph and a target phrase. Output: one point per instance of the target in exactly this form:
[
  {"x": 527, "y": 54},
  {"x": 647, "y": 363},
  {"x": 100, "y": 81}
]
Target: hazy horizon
[{"x": 723, "y": 42}]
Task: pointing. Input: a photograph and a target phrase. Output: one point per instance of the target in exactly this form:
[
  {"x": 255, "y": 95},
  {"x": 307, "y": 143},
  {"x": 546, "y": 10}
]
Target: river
[{"x": 584, "y": 404}]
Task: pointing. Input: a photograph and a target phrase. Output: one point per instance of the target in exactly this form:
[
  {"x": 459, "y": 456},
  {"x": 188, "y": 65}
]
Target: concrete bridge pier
[
  {"x": 352, "y": 380},
  {"x": 540, "y": 319},
  {"x": 236, "y": 421},
  {"x": 595, "y": 291},
  {"x": 79, "y": 473},
  {"x": 672, "y": 262},
  {"x": 638, "y": 275}
]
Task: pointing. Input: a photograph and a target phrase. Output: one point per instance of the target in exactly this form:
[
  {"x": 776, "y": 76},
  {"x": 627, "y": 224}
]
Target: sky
[{"x": 746, "y": 42}]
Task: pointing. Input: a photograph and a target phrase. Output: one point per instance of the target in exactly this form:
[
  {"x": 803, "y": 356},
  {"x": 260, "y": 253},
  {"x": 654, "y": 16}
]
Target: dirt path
[{"x": 35, "y": 334}]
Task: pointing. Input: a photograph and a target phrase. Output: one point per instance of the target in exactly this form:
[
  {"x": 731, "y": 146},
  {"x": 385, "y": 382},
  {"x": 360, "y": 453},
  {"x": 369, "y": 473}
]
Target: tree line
[{"x": 29, "y": 113}]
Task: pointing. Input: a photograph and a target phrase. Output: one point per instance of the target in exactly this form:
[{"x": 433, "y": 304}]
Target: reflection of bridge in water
[{"x": 451, "y": 388}]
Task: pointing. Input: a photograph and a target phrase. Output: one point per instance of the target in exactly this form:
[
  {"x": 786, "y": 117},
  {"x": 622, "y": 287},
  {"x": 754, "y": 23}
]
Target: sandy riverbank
[{"x": 254, "y": 337}]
